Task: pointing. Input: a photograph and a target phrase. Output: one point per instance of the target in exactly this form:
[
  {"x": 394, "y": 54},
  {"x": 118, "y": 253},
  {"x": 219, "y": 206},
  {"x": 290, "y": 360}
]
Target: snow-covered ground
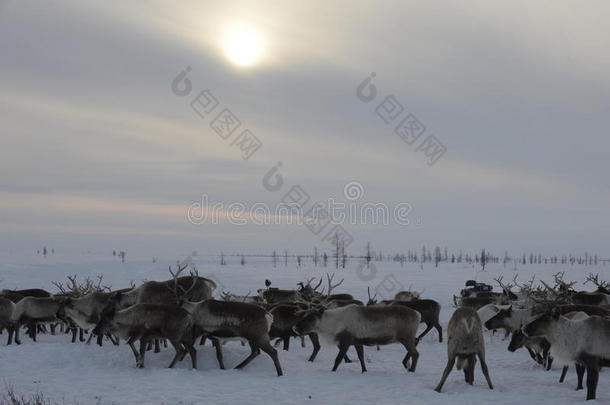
[{"x": 69, "y": 373}]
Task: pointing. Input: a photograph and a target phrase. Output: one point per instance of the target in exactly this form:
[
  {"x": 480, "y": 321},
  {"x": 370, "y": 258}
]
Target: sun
[{"x": 243, "y": 45}]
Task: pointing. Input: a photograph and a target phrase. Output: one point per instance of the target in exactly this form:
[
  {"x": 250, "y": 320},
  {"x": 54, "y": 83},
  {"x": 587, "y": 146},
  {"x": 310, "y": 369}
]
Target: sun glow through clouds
[{"x": 243, "y": 45}]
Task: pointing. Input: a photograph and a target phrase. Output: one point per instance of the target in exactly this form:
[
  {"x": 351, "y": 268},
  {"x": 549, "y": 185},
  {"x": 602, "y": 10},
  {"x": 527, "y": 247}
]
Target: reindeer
[
  {"x": 7, "y": 307},
  {"x": 537, "y": 347},
  {"x": 364, "y": 326},
  {"x": 600, "y": 297},
  {"x": 465, "y": 343},
  {"x": 272, "y": 295},
  {"x": 147, "y": 321},
  {"x": 241, "y": 298},
  {"x": 169, "y": 292},
  {"x": 192, "y": 288},
  {"x": 488, "y": 311},
  {"x": 30, "y": 292},
  {"x": 33, "y": 310},
  {"x": 226, "y": 319},
  {"x": 408, "y": 295},
  {"x": 580, "y": 341},
  {"x": 85, "y": 312},
  {"x": 285, "y": 317},
  {"x": 429, "y": 311}
]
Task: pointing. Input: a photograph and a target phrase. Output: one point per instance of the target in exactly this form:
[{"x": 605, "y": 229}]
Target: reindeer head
[
  {"x": 106, "y": 321},
  {"x": 541, "y": 325},
  {"x": 517, "y": 341},
  {"x": 307, "y": 291},
  {"x": 179, "y": 292},
  {"x": 310, "y": 320},
  {"x": 497, "y": 321}
]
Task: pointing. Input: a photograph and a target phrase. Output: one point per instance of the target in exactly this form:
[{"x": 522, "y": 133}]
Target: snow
[{"x": 87, "y": 374}]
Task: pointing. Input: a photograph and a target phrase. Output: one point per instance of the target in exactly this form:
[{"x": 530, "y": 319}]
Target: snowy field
[{"x": 78, "y": 373}]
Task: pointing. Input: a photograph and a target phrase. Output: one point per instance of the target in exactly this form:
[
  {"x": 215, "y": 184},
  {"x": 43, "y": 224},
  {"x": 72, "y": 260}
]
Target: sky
[{"x": 101, "y": 148}]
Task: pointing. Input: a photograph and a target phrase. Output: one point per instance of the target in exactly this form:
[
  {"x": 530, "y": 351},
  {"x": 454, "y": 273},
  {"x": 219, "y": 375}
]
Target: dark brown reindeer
[
  {"x": 150, "y": 321},
  {"x": 285, "y": 317},
  {"x": 191, "y": 287},
  {"x": 429, "y": 311},
  {"x": 584, "y": 341},
  {"x": 465, "y": 343},
  {"x": 599, "y": 297},
  {"x": 360, "y": 326},
  {"x": 17, "y": 295},
  {"x": 226, "y": 319},
  {"x": 169, "y": 292}
]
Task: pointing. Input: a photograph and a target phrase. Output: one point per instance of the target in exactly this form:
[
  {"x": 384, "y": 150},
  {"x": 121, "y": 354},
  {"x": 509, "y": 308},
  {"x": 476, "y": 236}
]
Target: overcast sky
[{"x": 97, "y": 152}]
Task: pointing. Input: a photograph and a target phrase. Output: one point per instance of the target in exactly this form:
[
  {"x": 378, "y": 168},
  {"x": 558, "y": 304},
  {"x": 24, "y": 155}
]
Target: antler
[
  {"x": 506, "y": 286},
  {"x": 331, "y": 287},
  {"x": 175, "y": 275},
  {"x": 368, "y": 292},
  {"x": 595, "y": 280},
  {"x": 562, "y": 284},
  {"x": 317, "y": 285}
]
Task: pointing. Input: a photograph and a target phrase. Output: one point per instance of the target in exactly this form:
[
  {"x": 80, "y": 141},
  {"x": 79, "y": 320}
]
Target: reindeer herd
[{"x": 554, "y": 323}]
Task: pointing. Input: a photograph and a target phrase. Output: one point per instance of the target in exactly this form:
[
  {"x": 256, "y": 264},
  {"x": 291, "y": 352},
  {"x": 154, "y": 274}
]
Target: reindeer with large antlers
[
  {"x": 599, "y": 297},
  {"x": 191, "y": 287}
]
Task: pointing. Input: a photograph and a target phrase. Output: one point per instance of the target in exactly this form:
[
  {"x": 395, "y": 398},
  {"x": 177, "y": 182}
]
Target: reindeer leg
[
  {"x": 469, "y": 369},
  {"x": 448, "y": 368},
  {"x": 302, "y": 341},
  {"x": 143, "y": 344},
  {"x": 133, "y": 349},
  {"x": 81, "y": 334},
  {"x": 286, "y": 339},
  {"x": 190, "y": 347},
  {"x": 16, "y": 332},
  {"x": 115, "y": 341},
  {"x": 180, "y": 352},
  {"x": 316, "y": 346},
  {"x": 439, "y": 329},
  {"x": 341, "y": 355},
  {"x": 425, "y": 332},
  {"x": 485, "y": 370},
  {"x": 580, "y": 373},
  {"x": 532, "y": 353},
  {"x": 202, "y": 341},
  {"x": 267, "y": 348},
  {"x": 564, "y": 371},
  {"x": 90, "y": 338},
  {"x": 592, "y": 365},
  {"x": 218, "y": 347},
  {"x": 412, "y": 354},
  {"x": 255, "y": 351},
  {"x": 11, "y": 332},
  {"x": 157, "y": 347},
  {"x": 360, "y": 351}
]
